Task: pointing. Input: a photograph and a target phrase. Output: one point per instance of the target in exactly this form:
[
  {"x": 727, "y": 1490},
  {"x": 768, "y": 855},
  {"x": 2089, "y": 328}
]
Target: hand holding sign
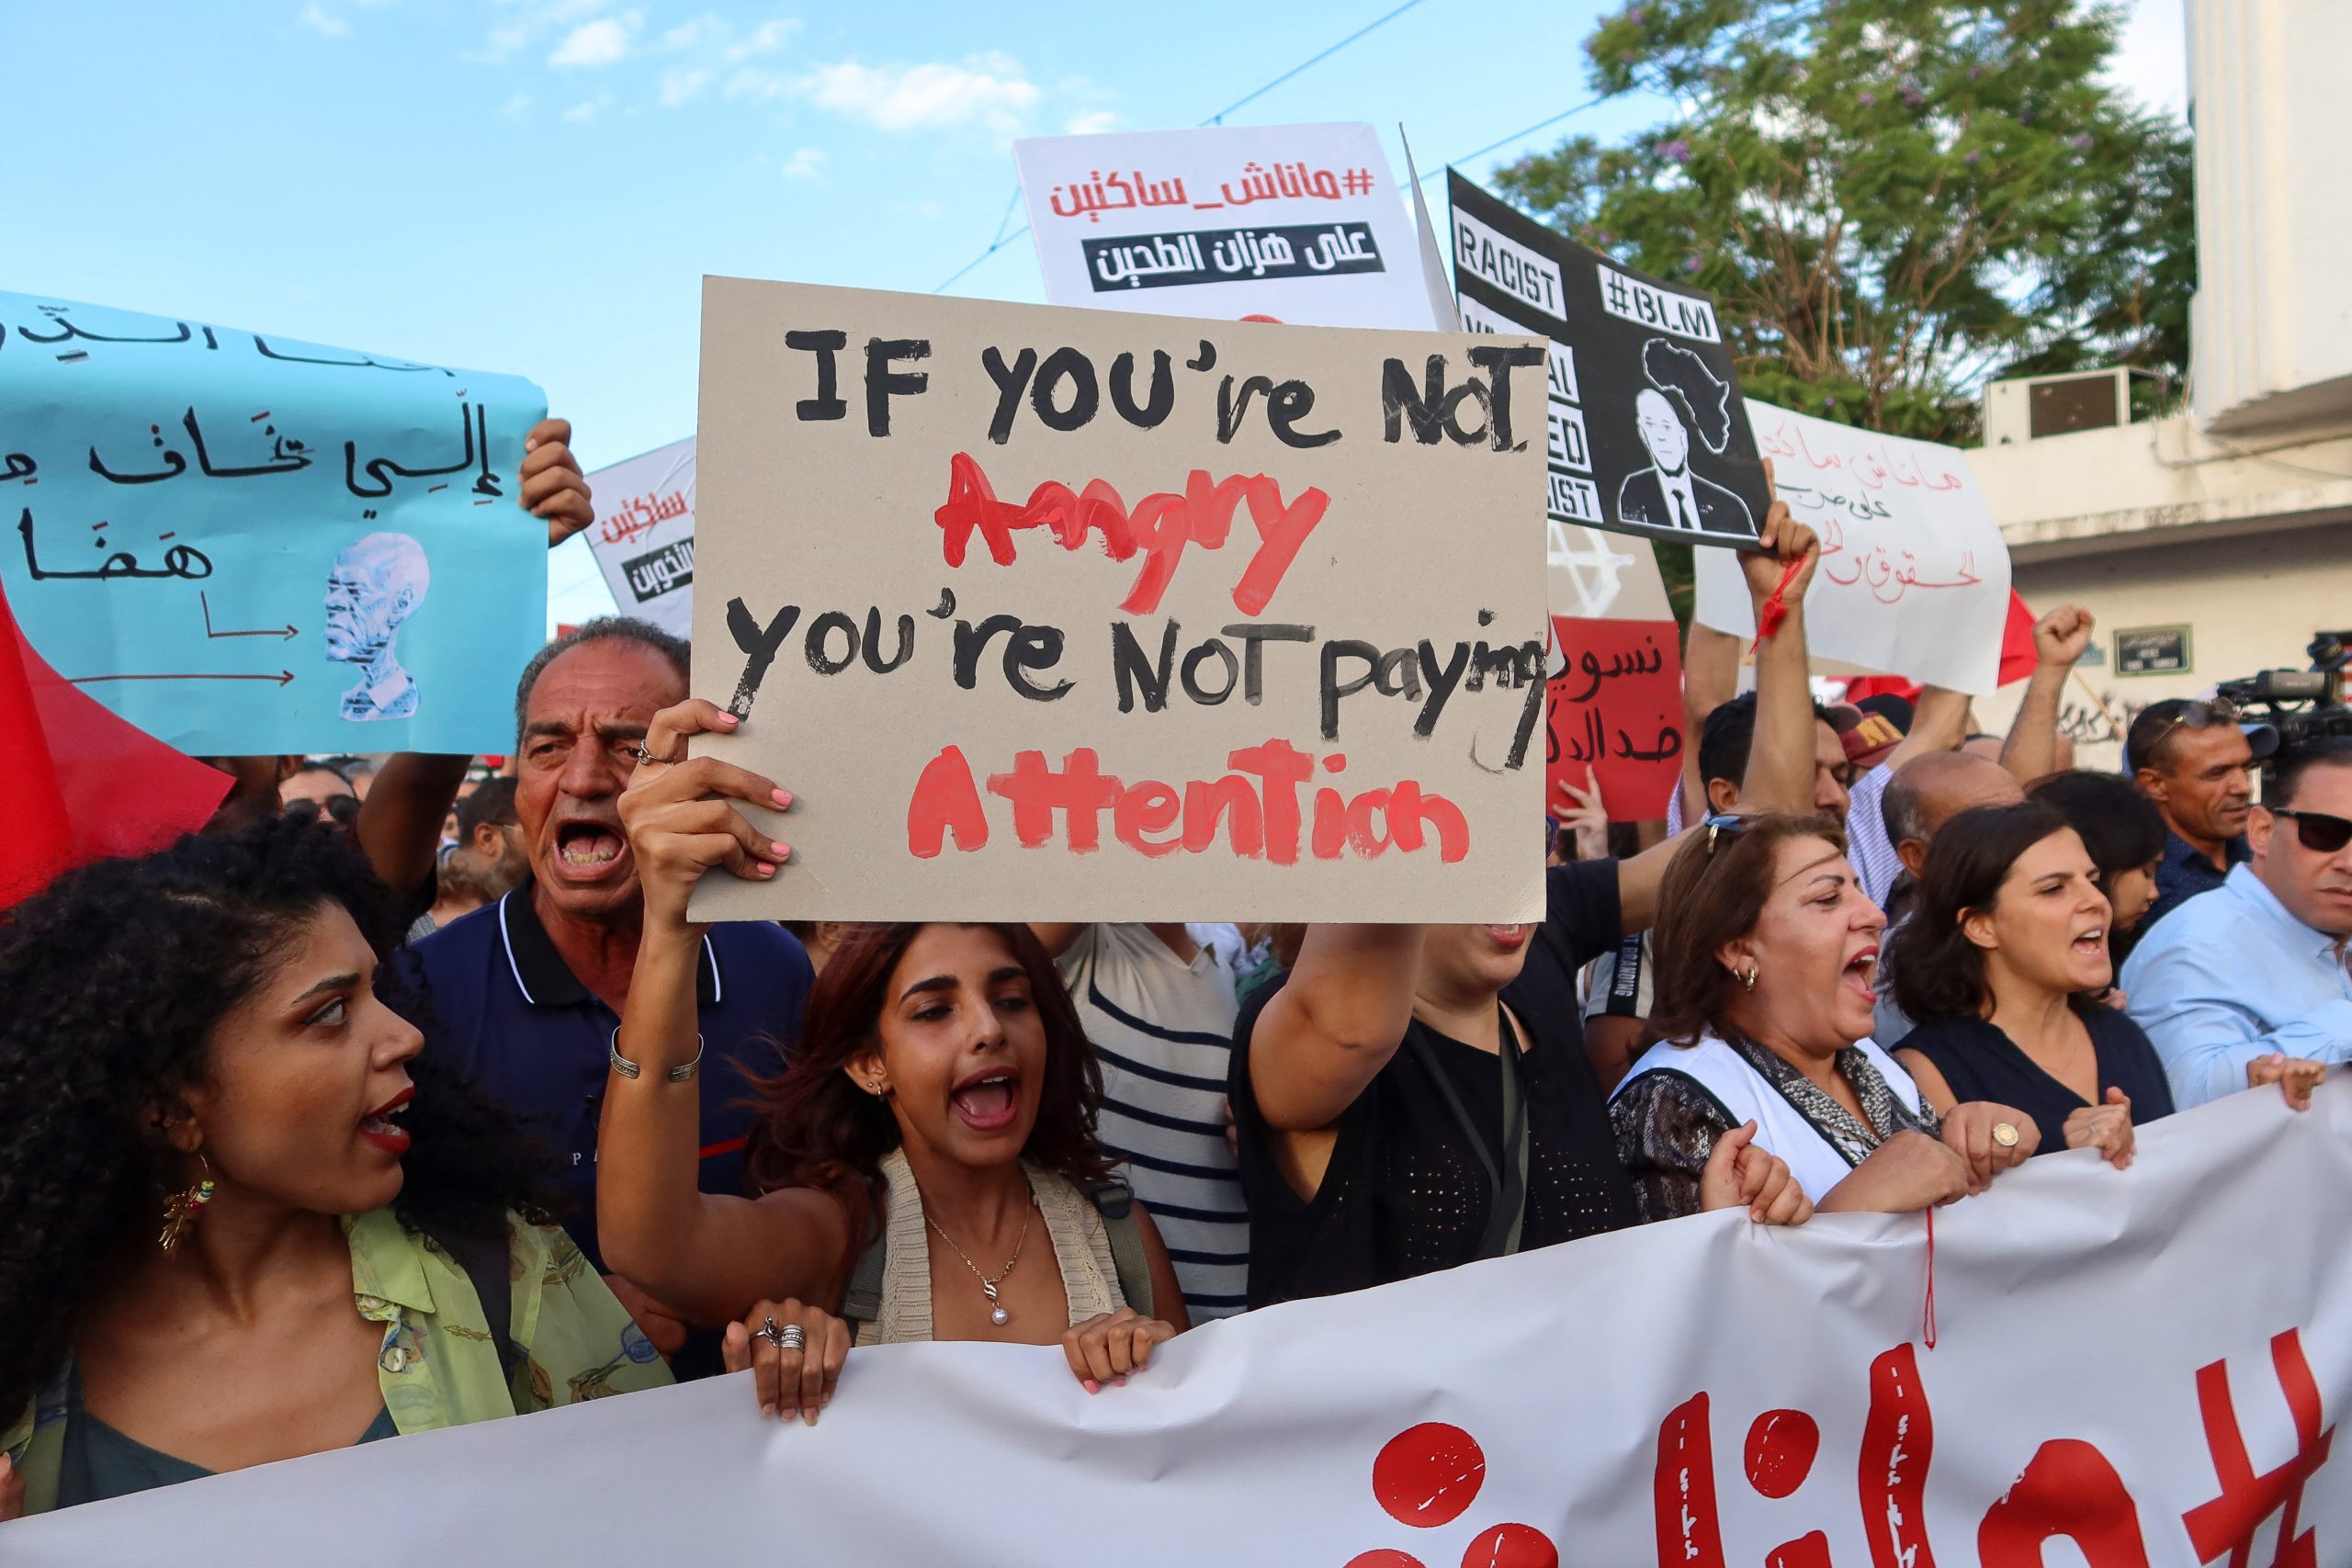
[
  {"x": 553, "y": 487},
  {"x": 678, "y": 816}
]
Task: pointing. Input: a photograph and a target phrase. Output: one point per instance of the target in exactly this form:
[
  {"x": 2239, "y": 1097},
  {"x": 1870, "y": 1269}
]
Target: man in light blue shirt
[{"x": 2257, "y": 966}]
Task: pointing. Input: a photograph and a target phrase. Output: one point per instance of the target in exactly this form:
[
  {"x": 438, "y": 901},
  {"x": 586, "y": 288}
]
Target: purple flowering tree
[{"x": 1891, "y": 199}]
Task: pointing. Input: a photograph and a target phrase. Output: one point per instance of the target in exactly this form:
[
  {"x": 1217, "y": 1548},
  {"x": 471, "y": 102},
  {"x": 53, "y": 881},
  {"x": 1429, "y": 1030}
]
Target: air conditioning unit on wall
[{"x": 2034, "y": 406}]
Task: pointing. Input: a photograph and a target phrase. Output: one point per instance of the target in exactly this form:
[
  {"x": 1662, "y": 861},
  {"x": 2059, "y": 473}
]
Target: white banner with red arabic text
[
  {"x": 2128, "y": 1368},
  {"x": 1914, "y": 578}
]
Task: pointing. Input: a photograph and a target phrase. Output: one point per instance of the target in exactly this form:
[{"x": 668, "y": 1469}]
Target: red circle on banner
[
  {"x": 1386, "y": 1557},
  {"x": 1426, "y": 1475},
  {"x": 1781, "y": 1445},
  {"x": 1512, "y": 1546}
]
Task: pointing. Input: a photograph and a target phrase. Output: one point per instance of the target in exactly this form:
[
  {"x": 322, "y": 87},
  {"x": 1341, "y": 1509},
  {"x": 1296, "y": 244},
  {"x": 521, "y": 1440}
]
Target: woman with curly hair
[
  {"x": 245, "y": 1221},
  {"x": 926, "y": 1167}
]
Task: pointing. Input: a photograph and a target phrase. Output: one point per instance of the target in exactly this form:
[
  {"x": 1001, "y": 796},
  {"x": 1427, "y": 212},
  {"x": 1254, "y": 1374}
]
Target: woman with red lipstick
[
  {"x": 926, "y": 1167},
  {"x": 1766, "y": 953},
  {"x": 245, "y": 1222}
]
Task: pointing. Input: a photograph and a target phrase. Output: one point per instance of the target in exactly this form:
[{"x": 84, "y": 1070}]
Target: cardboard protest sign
[
  {"x": 1615, "y": 707},
  {"x": 644, "y": 535},
  {"x": 1647, "y": 434},
  {"x": 1300, "y": 223},
  {"x": 1047, "y": 613},
  {"x": 1914, "y": 575},
  {"x": 243, "y": 543}
]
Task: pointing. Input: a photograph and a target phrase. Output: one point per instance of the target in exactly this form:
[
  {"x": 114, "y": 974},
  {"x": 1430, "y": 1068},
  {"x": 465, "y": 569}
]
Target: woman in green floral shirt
[{"x": 245, "y": 1222}]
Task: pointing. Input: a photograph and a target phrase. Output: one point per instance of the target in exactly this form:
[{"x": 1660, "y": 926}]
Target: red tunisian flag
[{"x": 84, "y": 784}]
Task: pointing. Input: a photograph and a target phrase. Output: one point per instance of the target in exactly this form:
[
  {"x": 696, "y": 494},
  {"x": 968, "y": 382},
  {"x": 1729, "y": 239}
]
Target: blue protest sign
[{"x": 246, "y": 544}]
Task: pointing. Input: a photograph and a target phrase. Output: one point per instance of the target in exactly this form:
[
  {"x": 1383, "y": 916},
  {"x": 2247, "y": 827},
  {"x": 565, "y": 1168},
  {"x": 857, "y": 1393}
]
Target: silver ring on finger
[
  {"x": 794, "y": 1337},
  {"x": 781, "y": 1337},
  {"x": 641, "y": 755}
]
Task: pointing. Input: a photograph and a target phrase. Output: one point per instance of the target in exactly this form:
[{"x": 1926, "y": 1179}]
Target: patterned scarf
[{"x": 1885, "y": 1113}]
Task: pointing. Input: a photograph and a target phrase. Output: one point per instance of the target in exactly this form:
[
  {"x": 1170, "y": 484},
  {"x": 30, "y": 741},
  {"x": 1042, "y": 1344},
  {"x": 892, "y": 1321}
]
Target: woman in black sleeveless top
[
  {"x": 2008, "y": 940},
  {"x": 1403, "y": 1105}
]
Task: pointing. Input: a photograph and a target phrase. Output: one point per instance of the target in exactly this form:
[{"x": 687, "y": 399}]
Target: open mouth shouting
[
  {"x": 989, "y": 1101},
  {"x": 378, "y": 1128},
  {"x": 1860, "y": 974},
  {"x": 2089, "y": 943},
  {"x": 589, "y": 850}
]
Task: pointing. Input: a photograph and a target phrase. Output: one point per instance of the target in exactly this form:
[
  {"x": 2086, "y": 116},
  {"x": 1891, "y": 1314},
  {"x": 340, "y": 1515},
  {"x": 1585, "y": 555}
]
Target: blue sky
[{"x": 538, "y": 186}]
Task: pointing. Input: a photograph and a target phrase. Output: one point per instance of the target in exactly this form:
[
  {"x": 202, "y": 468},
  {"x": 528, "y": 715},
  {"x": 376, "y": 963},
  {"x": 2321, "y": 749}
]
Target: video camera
[{"x": 2301, "y": 705}]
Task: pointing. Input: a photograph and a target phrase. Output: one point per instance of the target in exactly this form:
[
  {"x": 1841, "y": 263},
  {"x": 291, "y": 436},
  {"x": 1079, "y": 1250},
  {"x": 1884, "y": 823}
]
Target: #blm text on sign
[
  {"x": 1043, "y": 613},
  {"x": 1645, "y": 430}
]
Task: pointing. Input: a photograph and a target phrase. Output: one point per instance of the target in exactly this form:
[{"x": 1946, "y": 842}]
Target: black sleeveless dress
[{"x": 1979, "y": 1062}]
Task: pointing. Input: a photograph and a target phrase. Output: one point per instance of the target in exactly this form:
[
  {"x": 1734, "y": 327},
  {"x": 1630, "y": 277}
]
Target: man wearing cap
[{"x": 2196, "y": 762}]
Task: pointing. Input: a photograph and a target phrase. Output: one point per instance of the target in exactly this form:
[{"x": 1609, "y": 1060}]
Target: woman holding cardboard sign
[
  {"x": 1406, "y": 1101},
  {"x": 927, "y": 1166}
]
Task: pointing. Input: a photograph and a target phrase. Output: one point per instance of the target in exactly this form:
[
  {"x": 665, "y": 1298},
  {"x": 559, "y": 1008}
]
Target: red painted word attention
[
  {"x": 1429, "y": 1474},
  {"x": 1160, "y": 526},
  {"x": 1252, "y": 813}
]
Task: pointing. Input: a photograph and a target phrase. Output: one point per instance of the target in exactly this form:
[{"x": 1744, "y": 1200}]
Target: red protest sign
[{"x": 1615, "y": 707}]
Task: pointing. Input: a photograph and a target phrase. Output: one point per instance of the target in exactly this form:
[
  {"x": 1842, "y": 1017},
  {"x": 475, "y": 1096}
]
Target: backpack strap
[
  {"x": 861, "y": 1298},
  {"x": 1115, "y": 1201}
]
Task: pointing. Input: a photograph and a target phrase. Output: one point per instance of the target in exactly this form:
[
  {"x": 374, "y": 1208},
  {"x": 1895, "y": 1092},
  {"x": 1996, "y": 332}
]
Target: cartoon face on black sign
[
  {"x": 1641, "y": 379},
  {"x": 1683, "y": 401}
]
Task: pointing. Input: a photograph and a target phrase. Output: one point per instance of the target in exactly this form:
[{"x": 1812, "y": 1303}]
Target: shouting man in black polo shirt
[{"x": 525, "y": 994}]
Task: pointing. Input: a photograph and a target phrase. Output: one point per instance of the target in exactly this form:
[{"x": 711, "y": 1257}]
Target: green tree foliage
[{"x": 1890, "y": 199}]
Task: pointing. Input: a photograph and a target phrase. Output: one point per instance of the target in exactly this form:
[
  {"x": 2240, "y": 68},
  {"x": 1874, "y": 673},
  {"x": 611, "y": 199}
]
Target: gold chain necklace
[{"x": 998, "y": 1314}]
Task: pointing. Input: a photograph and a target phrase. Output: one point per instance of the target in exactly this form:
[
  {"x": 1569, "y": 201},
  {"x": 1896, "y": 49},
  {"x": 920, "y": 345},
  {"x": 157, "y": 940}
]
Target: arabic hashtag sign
[
  {"x": 1299, "y": 223},
  {"x": 1615, "y": 708},
  {"x": 243, "y": 543}
]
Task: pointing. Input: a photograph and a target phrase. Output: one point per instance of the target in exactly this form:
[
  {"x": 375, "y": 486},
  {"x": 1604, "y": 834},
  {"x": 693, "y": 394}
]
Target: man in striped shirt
[{"x": 1159, "y": 1009}]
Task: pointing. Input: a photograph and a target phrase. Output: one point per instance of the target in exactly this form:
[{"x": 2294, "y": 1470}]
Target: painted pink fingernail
[
  {"x": 766, "y": 870},
  {"x": 780, "y": 796},
  {"x": 779, "y": 851},
  {"x": 730, "y": 719},
  {"x": 1090, "y": 1385}
]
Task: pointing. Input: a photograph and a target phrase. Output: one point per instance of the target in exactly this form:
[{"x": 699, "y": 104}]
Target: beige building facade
[{"x": 2214, "y": 543}]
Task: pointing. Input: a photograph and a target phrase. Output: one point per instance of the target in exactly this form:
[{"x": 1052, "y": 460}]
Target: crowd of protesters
[{"x": 402, "y": 1097}]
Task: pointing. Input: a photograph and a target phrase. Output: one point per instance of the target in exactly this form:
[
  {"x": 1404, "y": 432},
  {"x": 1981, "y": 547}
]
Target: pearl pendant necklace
[{"x": 998, "y": 1313}]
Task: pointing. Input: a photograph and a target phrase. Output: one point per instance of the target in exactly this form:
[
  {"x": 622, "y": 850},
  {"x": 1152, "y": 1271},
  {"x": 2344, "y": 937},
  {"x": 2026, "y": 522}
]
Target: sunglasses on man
[{"x": 2319, "y": 832}]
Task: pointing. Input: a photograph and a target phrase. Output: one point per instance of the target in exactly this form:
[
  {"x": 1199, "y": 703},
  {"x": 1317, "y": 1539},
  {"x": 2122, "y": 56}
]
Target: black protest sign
[{"x": 1646, "y": 432}]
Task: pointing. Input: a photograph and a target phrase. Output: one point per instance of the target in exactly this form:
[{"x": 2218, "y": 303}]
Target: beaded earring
[{"x": 182, "y": 1208}]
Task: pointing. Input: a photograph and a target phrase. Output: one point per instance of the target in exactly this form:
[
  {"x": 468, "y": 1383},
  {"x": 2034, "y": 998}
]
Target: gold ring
[{"x": 2004, "y": 1134}]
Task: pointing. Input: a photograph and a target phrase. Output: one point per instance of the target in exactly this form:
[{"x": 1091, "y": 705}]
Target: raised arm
[
  {"x": 706, "y": 1255},
  {"x": 1939, "y": 723},
  {"x": 1710, "y": 679},
  {"x": 2060, "y": 638},
  {"x": 399, "y": 826},
  {"x": 1781, "y": 759},
  {"x": 1325, "y": 1035}
]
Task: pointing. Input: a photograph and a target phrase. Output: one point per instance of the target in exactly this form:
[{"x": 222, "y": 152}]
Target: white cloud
[
  {"x": 319, "y": 21},
  {"x": 805, "y": 163},
  {"x": 752, "y": 82},
  {"x": 680, "y": 84},
  {"x": 1093, "y": 123},
  {"x": 517, "y": 107},
  {"x": 588, "y": 108},
  {"x": 766, "y": 38},
  {"x": 702, "y": 30},
  {"x": 604, "y": 42},
  {"x": 985, "y": 89}
]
